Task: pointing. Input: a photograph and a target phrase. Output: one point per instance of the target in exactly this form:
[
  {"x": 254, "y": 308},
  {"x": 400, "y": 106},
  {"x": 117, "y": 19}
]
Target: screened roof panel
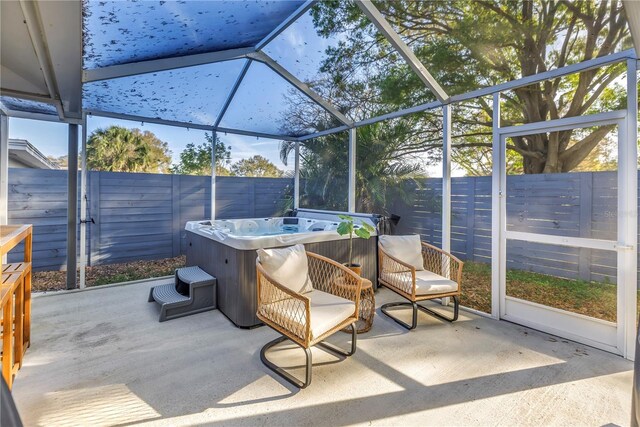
[
  {"x": 326, "y": 55},
  {"x": 24, "y": 105},
  {"x": 119, "y": 32},
  {"x": 190, "y": 95},
  {"x": 267, "y": 103},
  {"x": 300, "y": 49}
]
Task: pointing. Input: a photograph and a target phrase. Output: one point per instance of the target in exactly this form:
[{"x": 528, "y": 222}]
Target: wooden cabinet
[{"x": 15, "y": 298}]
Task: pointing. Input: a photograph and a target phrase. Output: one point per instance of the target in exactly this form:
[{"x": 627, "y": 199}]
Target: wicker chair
[
  {"x": 308, "y": 319},
  {"x": 441, "y": 277}
]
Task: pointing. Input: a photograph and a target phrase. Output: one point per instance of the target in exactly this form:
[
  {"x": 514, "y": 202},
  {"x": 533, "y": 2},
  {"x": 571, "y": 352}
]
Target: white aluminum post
[
  {"x": 83, "y": 204},
  {"x": 72, "y": 207},
  {"x": 628, "y": 221},
  {"x": 214, "y": 136},
  {"x": 4, "y": 169},
  {"x": 352, "y": 170},
  {"x": 446, "y": 188},
  {"x": 497, "y": 211},
  {"x": 296, "y": 177},
  {"x": 446, "y": 178}
]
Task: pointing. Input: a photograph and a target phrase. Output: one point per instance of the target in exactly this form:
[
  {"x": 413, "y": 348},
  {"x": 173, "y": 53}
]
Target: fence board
[
  {"x": 142, "y": 216},
  {"x": 573, "y": 204}
]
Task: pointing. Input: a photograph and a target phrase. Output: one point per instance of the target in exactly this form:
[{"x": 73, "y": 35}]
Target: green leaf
[
  {"x": 345, "y": 217},
  {"x": 362, "y": 233},
  {"x": 345, "y": 228},
  {"x": 367, "y": 227}
]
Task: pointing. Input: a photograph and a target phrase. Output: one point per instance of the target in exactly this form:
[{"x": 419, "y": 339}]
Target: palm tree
[
  {"x": 118, "y": 149},
  {"x": 383, "y": 175}
]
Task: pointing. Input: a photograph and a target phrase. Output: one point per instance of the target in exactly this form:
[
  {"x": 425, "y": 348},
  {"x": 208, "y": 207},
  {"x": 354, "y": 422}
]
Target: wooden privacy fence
[
  {"x": 569, "y": 204},
  {"x": 136, "y": 216},
  {"x": 142, "y": 216}
]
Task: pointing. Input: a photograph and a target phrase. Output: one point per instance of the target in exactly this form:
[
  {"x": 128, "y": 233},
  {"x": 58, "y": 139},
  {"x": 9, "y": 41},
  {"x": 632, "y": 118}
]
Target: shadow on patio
[{"x": 101, "y": 358}]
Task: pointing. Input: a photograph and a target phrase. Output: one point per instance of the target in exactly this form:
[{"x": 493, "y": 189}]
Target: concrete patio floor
[{"x": 100, "y": 357}]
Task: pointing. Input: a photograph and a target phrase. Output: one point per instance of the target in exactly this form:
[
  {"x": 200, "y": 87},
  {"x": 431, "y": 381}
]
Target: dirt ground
[{"x": 112, "y": 273}]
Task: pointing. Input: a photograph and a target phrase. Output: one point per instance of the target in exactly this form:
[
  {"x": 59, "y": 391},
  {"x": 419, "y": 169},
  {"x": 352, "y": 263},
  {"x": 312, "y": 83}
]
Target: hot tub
[{"x": 226, "y": 249}]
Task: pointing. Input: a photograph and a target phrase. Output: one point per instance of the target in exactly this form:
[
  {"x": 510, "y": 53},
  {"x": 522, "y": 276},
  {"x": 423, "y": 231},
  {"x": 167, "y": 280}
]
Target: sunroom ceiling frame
[
  {"x": 44, "y": 99},
  {"x": 256, "y": 53},
  {"x": 142, "y": 119},
  {"x": 502, "y": 87},
  {"x": 250, "y": 53},
  {"x": 302, "y": 87},
  {"x": 285, "y": 24},
  {"x": 232, "y": 93},
  {"x": 569, "y": 69},
  {"x": 163, "y": 64},
  {"x": 19, "y": 114}
]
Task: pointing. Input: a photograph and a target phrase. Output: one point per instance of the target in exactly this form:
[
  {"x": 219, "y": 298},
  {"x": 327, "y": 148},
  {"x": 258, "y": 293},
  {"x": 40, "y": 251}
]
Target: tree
[
  {"x": 62, "y": 162},
  {"x": 385, "y": 172},
  {"x": 196, "y": 159},
  {"x": 256, "y": 166},
  {"x": 470, "y": 44},
  {"x": 118, "y": 149}
]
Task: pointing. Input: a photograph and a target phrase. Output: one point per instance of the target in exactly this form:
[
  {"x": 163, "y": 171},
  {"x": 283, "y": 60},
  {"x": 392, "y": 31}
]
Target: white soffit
[
  {"x": 20, "y": 70},
  {"x": 62, "y": 27}
]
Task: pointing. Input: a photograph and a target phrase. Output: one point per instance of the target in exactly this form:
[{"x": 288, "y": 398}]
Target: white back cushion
[
  {"x": 288, "y": 266},
  {"x": 407, "y": 249}
]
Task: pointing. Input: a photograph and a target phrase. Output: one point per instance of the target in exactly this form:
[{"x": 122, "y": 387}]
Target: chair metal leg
[
  {"x": 416, "y": 307},
  {"x": 456, "y": 308},
  {"x": 414, "y": 317},
  {"x": 290, "y": 378},
  {"x": 280, "y": 371},
  {"x": 338, "y": 351}
]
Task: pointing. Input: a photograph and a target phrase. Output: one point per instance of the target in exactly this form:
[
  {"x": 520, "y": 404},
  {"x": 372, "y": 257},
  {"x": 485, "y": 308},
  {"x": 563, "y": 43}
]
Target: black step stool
[{"x": 202, "y": 294}]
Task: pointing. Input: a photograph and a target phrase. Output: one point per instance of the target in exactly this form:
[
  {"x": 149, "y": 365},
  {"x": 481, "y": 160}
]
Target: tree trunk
[{"x": 554, "y": 155}]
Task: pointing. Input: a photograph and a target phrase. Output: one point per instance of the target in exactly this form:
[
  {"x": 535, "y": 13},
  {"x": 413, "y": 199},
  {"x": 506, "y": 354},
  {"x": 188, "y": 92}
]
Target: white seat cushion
[
  {"x": 327, "y": 311},
  {"x": 407, "y": 249},
  {"x": 287, "y": 266},
  {"x": 427, "y": 282}
]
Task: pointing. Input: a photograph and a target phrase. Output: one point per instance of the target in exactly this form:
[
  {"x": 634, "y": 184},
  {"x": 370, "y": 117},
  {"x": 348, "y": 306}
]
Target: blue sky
[{"x": 51, "y": 138}]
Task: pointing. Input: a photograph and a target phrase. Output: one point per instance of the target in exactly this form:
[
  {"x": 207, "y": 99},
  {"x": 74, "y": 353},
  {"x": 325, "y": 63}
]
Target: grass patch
[
  {"x": 592, "y": 299},
  {"x": 476, "y": 286}
]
